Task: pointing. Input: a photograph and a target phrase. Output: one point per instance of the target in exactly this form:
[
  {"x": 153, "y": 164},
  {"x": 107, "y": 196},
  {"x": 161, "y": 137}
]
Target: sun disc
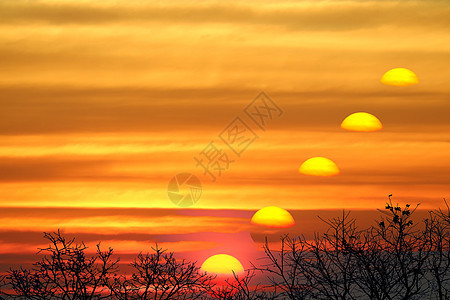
[
  {"x": 273, "y": 216},
  {"x": 361, "y": 122},
  {"x": 319, "y": 166},
  {"x": 222, "y": 264},
  {"x": 400, "y": 77}
]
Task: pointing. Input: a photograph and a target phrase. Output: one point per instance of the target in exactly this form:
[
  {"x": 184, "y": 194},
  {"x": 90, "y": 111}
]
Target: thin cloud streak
[
  {"x": 103, "y": 111},
  {"x": 306, "y": 15}
]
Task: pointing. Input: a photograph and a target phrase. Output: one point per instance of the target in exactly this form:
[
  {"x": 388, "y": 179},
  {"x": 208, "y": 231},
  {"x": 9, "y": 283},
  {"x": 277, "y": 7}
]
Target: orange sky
[{"x": 102, "y": 103}]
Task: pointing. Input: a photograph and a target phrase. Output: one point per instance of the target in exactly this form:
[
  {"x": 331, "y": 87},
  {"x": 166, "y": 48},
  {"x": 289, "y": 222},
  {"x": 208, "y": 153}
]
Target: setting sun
[
  {"x": 361, "y": 122},
  {"x": 319, "y": 166},
  {"x": 273, "y": 216},
  {"x": 400, "y": 77},
  {"x": 222, "y": 264}
]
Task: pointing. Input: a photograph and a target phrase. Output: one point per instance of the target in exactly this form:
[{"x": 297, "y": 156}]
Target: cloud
[
  {"x": 68, "y": 110},
  {"x": 143, "y": 224},
  {"x": 126, "y": 70},
  {"x": 329, "y": 16}
]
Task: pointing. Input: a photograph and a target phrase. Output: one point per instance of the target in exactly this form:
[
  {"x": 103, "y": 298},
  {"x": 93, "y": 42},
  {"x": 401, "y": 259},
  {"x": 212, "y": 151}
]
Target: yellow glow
[
  {"x": 319, "y": 166},
  {"x": 400, "y": 77},
  {"x": 273, "y": 216},
  {"x": 361, "y": 122},
  {"x": 222, "y": 264}
]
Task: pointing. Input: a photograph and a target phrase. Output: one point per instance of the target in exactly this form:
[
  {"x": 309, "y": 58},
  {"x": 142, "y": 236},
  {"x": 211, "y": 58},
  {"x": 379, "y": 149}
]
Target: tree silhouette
[
  {"x": 242, "y": 287},
  {"x": 397, "y": 258},
  {"x": 3, "y": 285},
  {"x": 438, "y": 265},
  {"x": 65, "y": 272},
  {"x": 393, "y": 260},
  {"x": 398, "y": 253},
  {"x": 320, "y": 269},
  {"x": 159, "y": 275}
]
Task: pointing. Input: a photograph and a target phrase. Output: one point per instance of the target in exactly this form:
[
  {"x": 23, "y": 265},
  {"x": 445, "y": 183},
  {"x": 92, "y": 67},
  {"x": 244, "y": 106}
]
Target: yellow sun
[
  {"x": 273, "y": 216},
  {"x": 223, "y": 264},
  {"x": 361, "y": 122},
  {"x": 319, "y": 166},
  {"x": 400, "y": 77}
]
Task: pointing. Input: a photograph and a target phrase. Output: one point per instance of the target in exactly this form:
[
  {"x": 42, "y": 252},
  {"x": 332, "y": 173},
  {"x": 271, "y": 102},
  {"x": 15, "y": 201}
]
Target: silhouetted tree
[
  {"x": 333, "y": 266},
  {"x": 393, "y": 260},
  {"x": 438, "y": 265},
  {"x": 394, "y": 256},
  {"x": 398, "y": 258},
  {"x": 3, "y": 286},
  {"x": 241, "y": 287},
  {"x": 65, "y": 272},
  {"x": 159, "y": 275},
  {"x": 324, "y": 268},
  {"x": 286, "y": 269}
]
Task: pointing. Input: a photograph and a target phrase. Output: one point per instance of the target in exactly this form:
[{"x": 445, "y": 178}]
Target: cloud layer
[{"x": 102, "y": 103}]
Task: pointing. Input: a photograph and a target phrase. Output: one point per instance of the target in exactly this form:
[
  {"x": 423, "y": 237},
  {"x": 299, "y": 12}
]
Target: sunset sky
[{"x": 102, "y": 103}]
